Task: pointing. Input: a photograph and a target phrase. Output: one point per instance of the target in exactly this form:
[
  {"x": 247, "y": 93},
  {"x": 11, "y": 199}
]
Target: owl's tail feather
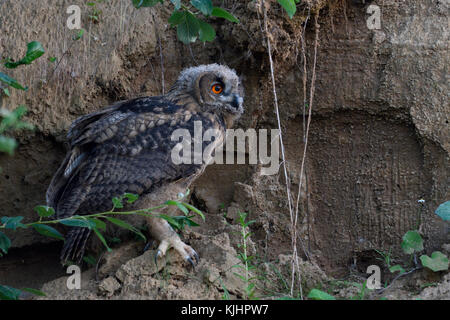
[{"x": 74, "y": 245}]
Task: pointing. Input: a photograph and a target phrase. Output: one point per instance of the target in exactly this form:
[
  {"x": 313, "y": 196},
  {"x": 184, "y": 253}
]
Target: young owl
[{"x": 127, "y": 147}]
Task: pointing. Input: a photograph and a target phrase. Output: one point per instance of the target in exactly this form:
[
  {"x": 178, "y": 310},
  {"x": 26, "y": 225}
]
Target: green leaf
[
  {"x": 44, "y": 211},
  {"x": 11, "y": 82},
  {"x": 145, "y": 3},
  {"x": 79, "y": 35},
  {"x": 176, "y": 18},
  {"x": 396, "y": 268},
  {"x": 77, "y": 221},
  {"x": 99, "y": 224},
  {"x": 443, "y": 211},
  {"x": 102, "y": 239},
  {"x": 173, "y": 222},
  {"x": 205, "y": 6},
  {"x": 9, "y": 293},
  {"x": 412, "y": 242},
  {"x": 52, "y": 59},
  {"x": 182, "y": 208},
  {"x": 117, "y": 202},
  {"x": 206, "y": 31},
  {"x": 226, "y": 294},
  {"x": 90, "y": 260},
  {"x": 5, "y": 243},
  {"x": 171, "y": 202},
  {"x": 48, "y": 231},
  {"x": 115, "y": 240},
  {"x": 190, "y": 222},
  {"x": 248, "y": 235},
  {"x": 183, "y": 220},
  {"x": 12, "y": 222},
  {"x": 176, "y": 3},
  {"x": 6, "y": 91},
  {"x": 437, "y": 262},
  {"x": 180, "y": 205},
  {"x": 11, "y": 118},
  {"x": 187, "y": 30},
  {"x": 34, "y": 291},
  {"x": 34, "y": 51},
  {"x": 131, "y": 197},
  {"x": 192, "y": 208},
  {"x": 289, "y": 6},
  {"x": 7, "y": 145},
  {"x": 125, "y": 225},
  {"x": 316, "y": 294},
  {"x": 249, "y": 223},
  {"x": 239, "y": 276},
  {"x": 222, "y": 13}
]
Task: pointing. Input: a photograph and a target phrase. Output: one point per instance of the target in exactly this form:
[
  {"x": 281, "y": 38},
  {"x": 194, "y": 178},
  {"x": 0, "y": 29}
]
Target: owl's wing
[{"x": 123, "y": 148}]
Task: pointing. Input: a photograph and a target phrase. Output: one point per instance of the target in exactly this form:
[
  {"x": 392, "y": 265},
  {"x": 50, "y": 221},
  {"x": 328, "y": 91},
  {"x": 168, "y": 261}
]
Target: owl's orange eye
[{"x": 217, "y": 88}]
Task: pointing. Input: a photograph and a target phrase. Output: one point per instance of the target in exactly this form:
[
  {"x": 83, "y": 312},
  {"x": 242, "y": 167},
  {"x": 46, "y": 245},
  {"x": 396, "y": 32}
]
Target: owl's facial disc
[{"x": 221, "y": 92}]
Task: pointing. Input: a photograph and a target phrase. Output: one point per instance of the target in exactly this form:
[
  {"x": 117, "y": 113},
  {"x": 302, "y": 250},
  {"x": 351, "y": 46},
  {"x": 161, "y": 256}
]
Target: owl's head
[{"x": 213, "y": 86}]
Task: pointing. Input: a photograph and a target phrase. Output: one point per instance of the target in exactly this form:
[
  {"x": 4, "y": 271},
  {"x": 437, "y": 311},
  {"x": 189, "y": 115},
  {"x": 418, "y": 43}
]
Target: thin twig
[
  {"x": 288, "y": 191},
  {"x": 161, "y": 57},
  {"x": 397, "y": 277},
  {"x": 305, "y": 80},
  {"x": 311, "y": 99},
  {"x": 192, "y": 54},
  {"x": 97, "y": 266},
  {"x": 61, "y": 59},
  {"x": 305, "y": 71}
]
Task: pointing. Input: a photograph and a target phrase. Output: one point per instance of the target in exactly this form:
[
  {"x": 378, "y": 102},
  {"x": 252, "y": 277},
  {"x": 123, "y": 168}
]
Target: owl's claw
[
  {"x": 148, "y": 245},
  {"x": 157, "y": 255},
  {"x": 194, "y": 259},
  {"x": 186, "y": 251},
  {"x": 197, "y": 258},
  {"x": 188, "y": 259}
]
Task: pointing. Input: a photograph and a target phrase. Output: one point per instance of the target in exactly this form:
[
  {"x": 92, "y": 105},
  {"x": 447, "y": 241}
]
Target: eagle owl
[{"x": 127, "y": 147}]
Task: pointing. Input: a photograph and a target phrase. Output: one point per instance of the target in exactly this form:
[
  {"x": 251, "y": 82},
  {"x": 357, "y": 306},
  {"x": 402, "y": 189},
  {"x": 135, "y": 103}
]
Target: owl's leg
[{"x": 168, "y": 238}]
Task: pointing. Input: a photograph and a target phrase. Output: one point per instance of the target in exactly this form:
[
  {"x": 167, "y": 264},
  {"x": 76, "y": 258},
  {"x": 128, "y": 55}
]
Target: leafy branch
[
  {"x": 96, "y": 221},
  {"x": 412, "y": 244},
  {"x": 75, "y": 38},
  {"x": 185, "y": 18},
  {"x": 289, "y": 6},
  {"x": 10, "y": 120},
  {"x": 34, "y": 51}
]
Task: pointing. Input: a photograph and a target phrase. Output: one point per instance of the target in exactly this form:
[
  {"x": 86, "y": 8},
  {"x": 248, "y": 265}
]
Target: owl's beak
[{"x": 237, "y": 102}]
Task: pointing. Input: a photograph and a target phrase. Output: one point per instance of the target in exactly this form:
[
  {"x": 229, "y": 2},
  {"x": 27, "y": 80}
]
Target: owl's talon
[
  {"x": 196, "y": 257},
  {"x": 157, "y": 255},
  {"x": 188, "y": 259},
  {"x": 192, "y": 256},
  {"x": 186, "y": 251},
  {"x": 147, "y": 246}
]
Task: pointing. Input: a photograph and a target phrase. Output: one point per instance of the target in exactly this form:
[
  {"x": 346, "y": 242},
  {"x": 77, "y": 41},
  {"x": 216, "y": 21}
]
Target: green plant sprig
[
  {"x": 246, "y": 260},
  {"x": 94, "y": 222},
  {"x": 185, "y": 18},
  {"x": 11, "y": 119}
]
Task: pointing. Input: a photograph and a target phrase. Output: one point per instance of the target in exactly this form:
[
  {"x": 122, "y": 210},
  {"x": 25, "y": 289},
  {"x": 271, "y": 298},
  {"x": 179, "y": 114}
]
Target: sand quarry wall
[{"x": 379, "y": 135}]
